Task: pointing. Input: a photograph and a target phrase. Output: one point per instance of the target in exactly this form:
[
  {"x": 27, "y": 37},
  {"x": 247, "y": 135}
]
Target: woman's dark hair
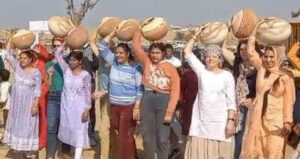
[
  {"x": 258, "y": 47},
  {"x": 4, "y": 75},
  {"x": 160, "y": 46},
  {"x": 78, "y": 55},
  {"x": 30, "y": 54},
  {"x": 1, "y": 45},
  {"x": 238, "y": 59},
  {"x": 126, "y": 49},
  {"x": 238, "y": 49}
]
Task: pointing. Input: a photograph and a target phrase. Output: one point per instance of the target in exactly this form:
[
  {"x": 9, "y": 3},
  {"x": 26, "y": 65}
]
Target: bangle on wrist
[
  {"x": 169, "y": 112},
  {"x": 111, "y": 35},
  {"x": 194, "y": 37},
  {"x": 231, "y": 119},
  {"x": 288, "y": 123}
]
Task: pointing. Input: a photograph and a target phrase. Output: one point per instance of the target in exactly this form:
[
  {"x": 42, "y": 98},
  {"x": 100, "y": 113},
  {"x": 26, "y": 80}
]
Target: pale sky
[{"x": 18, "y": 13}]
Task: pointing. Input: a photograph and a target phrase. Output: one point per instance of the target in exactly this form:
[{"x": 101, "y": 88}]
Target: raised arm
[
  {"x": 193, "y": 61},
  {"x": 87, "y": 91},
  {"x": 139, "y": 52},
  {"x": 228, "y": 55},
  {"x": 252, "y": 55},
  {"x": 189, "y": 46},
  {"x": 106, "y": 52},
  {"x": 11, "y": 58},
  {"x": 8, "y": 54},
  {"x": 104, "y": 49},
  {"x": 59, "y": 57}
]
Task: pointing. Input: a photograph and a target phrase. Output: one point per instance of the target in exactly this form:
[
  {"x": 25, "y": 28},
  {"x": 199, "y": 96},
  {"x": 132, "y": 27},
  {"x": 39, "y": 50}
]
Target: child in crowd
[{"x": 5, "y": 87}]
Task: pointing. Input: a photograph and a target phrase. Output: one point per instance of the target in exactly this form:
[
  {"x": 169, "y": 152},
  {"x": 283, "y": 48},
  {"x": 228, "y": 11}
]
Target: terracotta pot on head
[
  {"x": 60, "y": 26},
  {"x": 126, "y": 29},
  {"x": 213, "y": 33},
  {"x": 243, "y": 23},
  {"x": 77, "y": 38},
  {"x": 154, "y": 28},
  {"x": 108, "y": 25},
  {"x": 273, "y": 30},
  {"x": 23, "y": 39}
]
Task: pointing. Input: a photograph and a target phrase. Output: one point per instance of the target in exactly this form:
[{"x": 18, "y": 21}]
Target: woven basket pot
[
  {"x": 23, "y": 39},
  {"x": 243, "y": 23},
  {"x": 154, "y": 28}
]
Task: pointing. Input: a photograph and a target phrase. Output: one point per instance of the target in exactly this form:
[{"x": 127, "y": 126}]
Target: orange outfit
[
  {"x": 162, "y": 77},
  {"x": 43, "y": 57},
  {"x": 271, "y": 108}
]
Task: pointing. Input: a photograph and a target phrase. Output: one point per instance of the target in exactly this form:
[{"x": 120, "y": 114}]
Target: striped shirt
[{"x": 124, "y": 80}]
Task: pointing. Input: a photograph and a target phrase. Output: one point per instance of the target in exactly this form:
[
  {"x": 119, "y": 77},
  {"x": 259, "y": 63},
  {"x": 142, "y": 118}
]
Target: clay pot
[
  {"x": 77, "y": 38},
  {"x": 243, "y": 23},
  {"x": 23, "y": 39},
  {"x": 108, "y": 25},
  {"x": 126, "y": 29},
  {"x": 213, "y": 33},
  {"x": 273, "y": 30},
  {"x": 154, "y": 28},
  {"x": 59, "y": 26}
]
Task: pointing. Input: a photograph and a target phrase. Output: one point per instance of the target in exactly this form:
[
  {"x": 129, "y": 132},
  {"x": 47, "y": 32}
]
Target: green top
[{"x": 57, "y": 77}]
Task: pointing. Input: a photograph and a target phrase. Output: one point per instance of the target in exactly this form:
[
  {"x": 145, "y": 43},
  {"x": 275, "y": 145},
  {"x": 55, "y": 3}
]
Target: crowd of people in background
[{"x": 212, "y": 104}]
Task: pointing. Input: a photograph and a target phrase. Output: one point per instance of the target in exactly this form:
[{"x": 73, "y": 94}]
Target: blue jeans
[
  {"x": 53, "y": 115},
  {"x": 239, "y": 135}
]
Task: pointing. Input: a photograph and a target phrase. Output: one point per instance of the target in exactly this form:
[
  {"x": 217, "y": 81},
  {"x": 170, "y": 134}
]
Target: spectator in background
[
  {"x": 170, "y": 58},
  {"x": 1, "y": 56},
  {"x": 42, "y": 57},
  {"x": 245, "y": 79},
  {"x": 5, "y": 93},
  {"x": 55, "y": 85},
  {"x": 91, "y": 64},
  {"x": 104, "y": 130}
]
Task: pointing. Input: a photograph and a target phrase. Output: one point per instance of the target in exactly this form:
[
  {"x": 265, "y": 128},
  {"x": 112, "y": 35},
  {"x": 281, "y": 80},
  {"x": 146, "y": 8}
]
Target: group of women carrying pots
[{"x": 245, "y": 112}]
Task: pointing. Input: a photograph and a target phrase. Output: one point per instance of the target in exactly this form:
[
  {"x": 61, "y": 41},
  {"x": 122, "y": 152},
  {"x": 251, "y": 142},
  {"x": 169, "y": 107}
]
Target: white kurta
[
  {"x": 216, "y": 96},
  {"x": 5, "y": 88},
  {"x": 174, "y": 61}
]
